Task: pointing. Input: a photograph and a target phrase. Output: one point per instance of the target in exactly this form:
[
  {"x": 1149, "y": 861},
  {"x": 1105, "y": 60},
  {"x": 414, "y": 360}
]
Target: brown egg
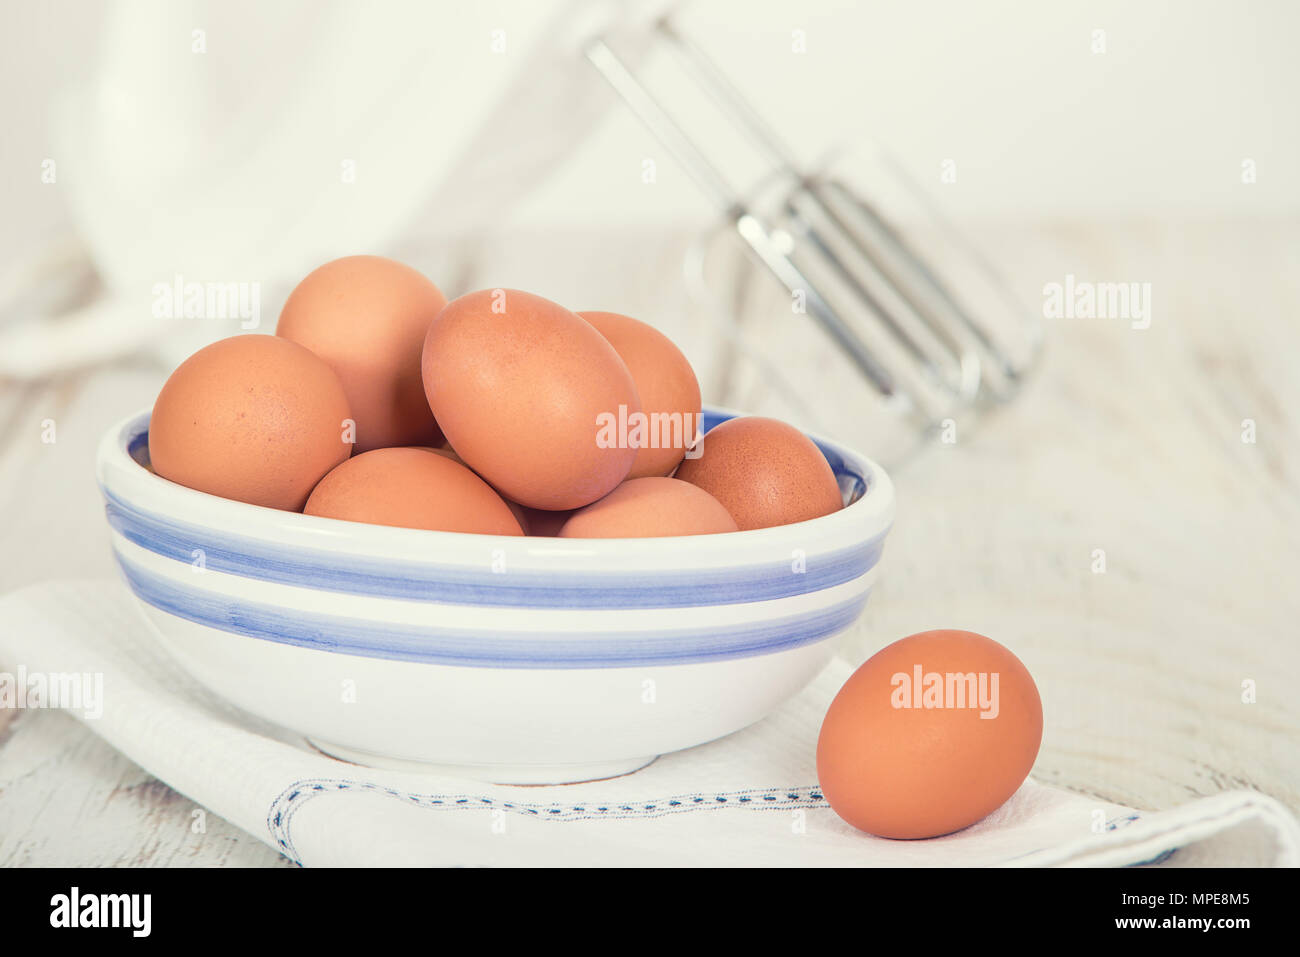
[
  {"x": 931, "y": 734},
  {"x": 765, "y": 472},
  {"x": 666, "y": 384},
  {"x": 366, "y": 316},
  {"x": 257, "y": 419},
  {"x": 447, "y": 451},
  {"x": 520, "y": 513},
  {"x": 525, "y": 392},
  {"x": 648, "y": 508},
  {"x": 542, "y": 523},
  {"x": 411, "y": 488}
]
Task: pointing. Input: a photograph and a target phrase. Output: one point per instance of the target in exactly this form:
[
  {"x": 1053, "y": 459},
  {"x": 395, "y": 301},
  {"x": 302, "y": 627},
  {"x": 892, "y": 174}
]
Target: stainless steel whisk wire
[{"x": 847, "y": 261}]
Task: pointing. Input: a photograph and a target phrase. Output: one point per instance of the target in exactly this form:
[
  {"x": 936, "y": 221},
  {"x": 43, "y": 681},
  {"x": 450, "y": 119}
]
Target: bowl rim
[{"x": 124, "y": 480}]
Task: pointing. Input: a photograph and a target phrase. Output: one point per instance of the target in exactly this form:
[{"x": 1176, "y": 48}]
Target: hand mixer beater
[{"x": 896, "y": 317}]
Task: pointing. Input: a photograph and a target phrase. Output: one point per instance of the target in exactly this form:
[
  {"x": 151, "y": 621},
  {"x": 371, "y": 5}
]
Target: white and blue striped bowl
[{"x": 514, "y": 660}]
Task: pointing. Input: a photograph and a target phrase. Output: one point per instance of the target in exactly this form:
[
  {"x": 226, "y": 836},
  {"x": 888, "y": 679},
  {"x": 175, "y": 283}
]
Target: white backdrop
[{"x": 1035, "y": 122}]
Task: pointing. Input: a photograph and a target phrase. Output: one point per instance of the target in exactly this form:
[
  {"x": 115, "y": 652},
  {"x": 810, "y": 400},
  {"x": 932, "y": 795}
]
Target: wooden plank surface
[{"x": 1126, "y": 441}]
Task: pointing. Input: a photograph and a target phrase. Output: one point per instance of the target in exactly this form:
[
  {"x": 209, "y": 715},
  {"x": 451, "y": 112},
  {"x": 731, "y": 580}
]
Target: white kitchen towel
[{"x": 750, "y": 799}]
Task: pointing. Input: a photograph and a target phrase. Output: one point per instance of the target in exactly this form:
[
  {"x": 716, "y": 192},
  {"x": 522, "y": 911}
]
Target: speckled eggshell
[
  {"x": 255, "y": 418},
  {"x": 650, "y": 507},
  {"x": 519, "y": 385},
  {"x": 524, "y": 515},
  {"x": 666, "y": 384},
  {"x": 412, "y": 488},
  {"x": 905, "y": 759},
  {"x": 447, "y": 451},
  {"x": 366, "y": 316},
  {"x": 764, "y": 472}
]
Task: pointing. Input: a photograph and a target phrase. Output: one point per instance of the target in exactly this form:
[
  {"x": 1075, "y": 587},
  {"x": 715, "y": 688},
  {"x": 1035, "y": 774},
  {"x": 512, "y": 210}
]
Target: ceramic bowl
[{"x": 511, "y": 660}]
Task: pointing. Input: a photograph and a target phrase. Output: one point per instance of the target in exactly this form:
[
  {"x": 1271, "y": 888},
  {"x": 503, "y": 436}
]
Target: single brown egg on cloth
[
  {"x": 367, "y": 316},
  {"x": 412, "y": 488},
  {"x": 257, "y": 419},
  {"x": 666, "y": 384},
  {"x": 648, "y": 508},
  {"x": 764, "y": 472},
  {"x": 930, "y": 735}
]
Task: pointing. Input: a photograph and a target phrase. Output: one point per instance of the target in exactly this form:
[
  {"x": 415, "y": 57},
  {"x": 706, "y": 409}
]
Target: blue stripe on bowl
[
  {"x": 499, "y": 649},
  {"x": 462, "y": 583},
  {"x": 465, "y": 584}
]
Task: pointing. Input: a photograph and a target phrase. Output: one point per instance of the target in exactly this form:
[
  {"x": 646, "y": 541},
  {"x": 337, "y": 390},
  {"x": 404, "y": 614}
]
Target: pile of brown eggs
[{"x": 499, "y": 412}]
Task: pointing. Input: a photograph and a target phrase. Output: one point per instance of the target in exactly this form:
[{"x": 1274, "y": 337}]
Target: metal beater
[{"x": 898, "y": 321}]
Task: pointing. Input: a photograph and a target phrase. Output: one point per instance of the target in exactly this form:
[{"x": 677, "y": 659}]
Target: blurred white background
[
  {"x": 244, "y": 142},
  {"x": 1035, "y": 121}
]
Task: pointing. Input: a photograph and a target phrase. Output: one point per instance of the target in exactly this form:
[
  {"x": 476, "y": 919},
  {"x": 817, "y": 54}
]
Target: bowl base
[{"x": 521, "y": 774}]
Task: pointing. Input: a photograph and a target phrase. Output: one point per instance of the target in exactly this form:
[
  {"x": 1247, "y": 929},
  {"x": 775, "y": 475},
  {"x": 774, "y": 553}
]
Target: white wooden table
[{"x": 1126, "y": 441}]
